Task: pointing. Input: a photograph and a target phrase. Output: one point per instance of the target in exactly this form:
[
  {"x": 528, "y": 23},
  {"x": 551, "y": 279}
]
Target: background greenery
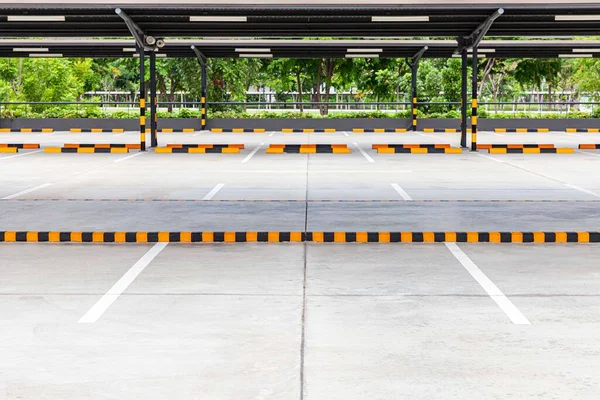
[{"x": 369, "y": 80}]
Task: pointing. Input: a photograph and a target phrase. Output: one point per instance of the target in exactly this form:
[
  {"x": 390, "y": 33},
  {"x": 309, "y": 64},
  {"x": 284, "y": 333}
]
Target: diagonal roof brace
[
  {"x": 479, "y": 33},
  {"x": 417, "y": 57},
  {"x": 148, "y": 43},
  {"x": 201, "y": 57}
]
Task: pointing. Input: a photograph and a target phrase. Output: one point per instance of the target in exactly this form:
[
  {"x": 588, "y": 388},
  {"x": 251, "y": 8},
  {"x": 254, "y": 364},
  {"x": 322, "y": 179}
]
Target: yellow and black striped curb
[
  {"x": 20, "y": 145},
  {"x": 395, "y": 149},
  {"x": 560, "y": 150},
  {"x": 412, "y": 146},
  {"x": 184, "y": 130},
  {"x": 590, "y": 146},
  {"x": 308, "y": 148},
  {"x": 582, "y": 130},
  {"x": 521, "y": 130},
  {"x": 313, "y": 237},
  {"x": 483, "y": 146},
  {"x": 205, "y": 145},
  {"x": 27, "y": 130},
  {"x": 87, "y": 150},
  {"x": 130, "y": 146},
  {"x": 206, "y": 149}
]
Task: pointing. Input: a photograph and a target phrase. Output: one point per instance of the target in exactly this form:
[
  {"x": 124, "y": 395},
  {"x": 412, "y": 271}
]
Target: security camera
[
  {"x": 160, "y": 43},
  {"x": 150, "y": 40}
]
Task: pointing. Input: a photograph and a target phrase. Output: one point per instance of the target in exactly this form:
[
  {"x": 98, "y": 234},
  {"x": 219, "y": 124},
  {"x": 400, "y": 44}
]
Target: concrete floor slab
[{"x": 209, "y": 269}]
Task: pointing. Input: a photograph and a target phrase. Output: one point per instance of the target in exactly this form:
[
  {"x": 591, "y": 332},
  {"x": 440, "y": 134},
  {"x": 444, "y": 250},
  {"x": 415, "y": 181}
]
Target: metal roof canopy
[
  {"x": 299, "y": 48},
  {"x": 298, "y": 18}
]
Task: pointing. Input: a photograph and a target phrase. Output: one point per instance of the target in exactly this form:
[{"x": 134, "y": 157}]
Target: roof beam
[
  {"x": 479, "y": 33},
  {"x": 201, "y": 57},
  {"x": 143, "y": 41},
  {"x": 417, "y": 57}
]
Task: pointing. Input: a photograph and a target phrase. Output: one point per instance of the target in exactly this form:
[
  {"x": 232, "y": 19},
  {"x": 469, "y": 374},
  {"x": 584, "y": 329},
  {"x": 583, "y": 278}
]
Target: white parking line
[
  {"x": 587, "y": 153},
  {"x": 249, "y": 156},
  {"x": 214, "y": 191},
  {"x": 122, "y": 284},
  {"x": 401, "y": 192},
  {"x": 21, "y": 155},
  {"x": 364, "y": 153},
  {"x": 121, "y": 134},
  {"x": 491, "y": 289},
  {"x": 196, "y": 134},
  {"x": 581, "y": 189},
  {"x": 271, "y": 134},
  {"x": 490, "y": 158},
  {"x": 33, "y": 189},
  {"x": 131, "y": 156},
  {"x": 346, "y": 134}
]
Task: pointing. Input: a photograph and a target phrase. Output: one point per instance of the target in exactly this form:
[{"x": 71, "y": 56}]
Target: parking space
[
  {"x": 285, "y": 321},
  {"x": 263, "y": 321}
]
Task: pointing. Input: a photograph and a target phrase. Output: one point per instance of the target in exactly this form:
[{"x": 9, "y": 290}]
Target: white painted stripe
[
  {"x": 128, "y": 157},
  {"x": 196, "y": 134},
  {"x": 581, "y": 189},
  {"x": 33, "y": 189},
  {"x": 214, "y": 191},
  {"x": 346, "y": 134},
  {"x": 491, "y": 289},
  {"x": 122, "y": 284},
  {"x": 121, "y": 134},
  {"x": 249, "y": 156},
  {"x": 490, "y": 158},
  {"x": 21, "y": 155},
  {"x": 368, "y": 157},
  {"x": 587, "y": 153},
  {"x": 401, "y": 192},
  {"x": 271, "y": 134}
]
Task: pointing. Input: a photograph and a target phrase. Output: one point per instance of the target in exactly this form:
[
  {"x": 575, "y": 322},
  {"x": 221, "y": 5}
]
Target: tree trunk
[
  {"x": 319, "y": 80},
  {"x": 299, "y": 82},
  {"x": 329, "y": 65}
]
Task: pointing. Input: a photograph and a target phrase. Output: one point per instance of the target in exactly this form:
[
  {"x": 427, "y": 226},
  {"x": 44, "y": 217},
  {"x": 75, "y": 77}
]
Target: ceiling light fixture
[
  {"x": 217, "y": 18},
  {"x": 30, "y": 49},
  {"x": 35, "y": 18},
  {"x": 416, "y": 18},
  {"x": 244, "y": 50}
]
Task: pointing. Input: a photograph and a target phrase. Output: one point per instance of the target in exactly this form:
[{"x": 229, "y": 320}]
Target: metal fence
[{"x": 71, "y": 109}]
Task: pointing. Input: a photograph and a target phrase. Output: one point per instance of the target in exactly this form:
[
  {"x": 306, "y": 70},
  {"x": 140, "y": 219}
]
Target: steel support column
[
  {"x": 153, "y": 102},
  {"x": 204, "y": 107},
  {"x": 463, "y": 102},
  {"x": 413, "y": 63},
  {"x": 474, "y": 102},
  {"x": 413, "y": 105},
  {"x": 142, "y": 99}
]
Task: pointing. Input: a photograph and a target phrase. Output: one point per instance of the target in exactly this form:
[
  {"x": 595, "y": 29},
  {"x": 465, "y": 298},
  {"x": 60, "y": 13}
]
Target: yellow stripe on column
[
  {"x": 142, "y": 103},
  {"x": 474, "y": 120},
  {"x": 142, "y": 120},
  {"x": 474, "y": 103}
]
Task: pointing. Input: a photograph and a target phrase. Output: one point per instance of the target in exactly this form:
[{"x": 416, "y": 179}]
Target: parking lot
[{"x": 299, "y": 320}]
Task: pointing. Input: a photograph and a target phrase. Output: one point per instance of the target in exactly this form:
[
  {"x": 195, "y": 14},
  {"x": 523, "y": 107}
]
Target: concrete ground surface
[
  {"x": 290, "y": 321},
  {"x": 299, "y": 320}
]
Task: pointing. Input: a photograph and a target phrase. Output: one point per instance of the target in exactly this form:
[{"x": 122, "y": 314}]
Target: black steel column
[
  {"x": 463, "y": 103},
  {"x": 203, "y": 109},
  {"x": 474, "y": 102},
  {"x": 142, "y": 100},
  {"x": 153, "y": 102},
  {"x": 414, "y": 69}
]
